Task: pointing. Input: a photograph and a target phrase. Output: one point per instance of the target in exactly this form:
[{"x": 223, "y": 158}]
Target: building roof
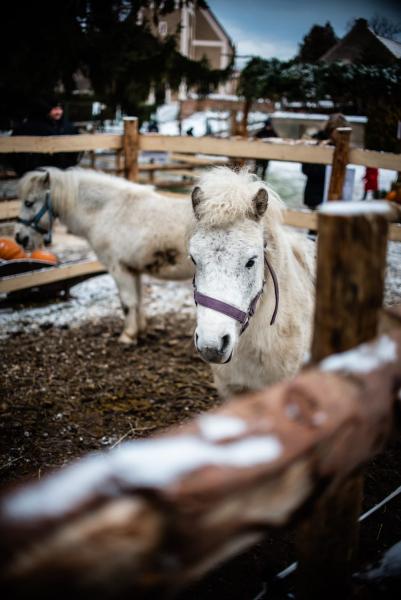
[
  {"x": 362, "y": 41},
  {"x": 220, "y": 26},
  {"x": 392, "y": 45}
]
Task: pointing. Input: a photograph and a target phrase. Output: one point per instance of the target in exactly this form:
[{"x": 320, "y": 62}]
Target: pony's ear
[
  {"x": 43, "y": 178},
  {"x": 259, "y": 203},
  {"x": 196, "y": 200}
]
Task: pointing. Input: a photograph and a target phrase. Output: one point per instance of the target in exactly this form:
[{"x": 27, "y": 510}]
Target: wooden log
[
  {"x": 196, "y": 160},
  {"x": 119, "y": 162},
  {"x": 131, "y": 141},
  {"x": 233, "y": 123},
  {"x": 351, "y": 259},
  {"x": 60, "y": 143},
  {"x": 239, "y": 148},
  {"x": 390, "y": 318},
  {"x": 155, "y": 514},
  {"x": 340, "y": 161},
  {"x": 350, "y": 281},
  {"x": 16, "y": 283},
  {"x": 92, "y": 159},
  {"x": 298, "y": 152},
  {"x": 9, "y": 209},
  {"x": 303, "y": 219},
  {"x": 372, "y": 158}
]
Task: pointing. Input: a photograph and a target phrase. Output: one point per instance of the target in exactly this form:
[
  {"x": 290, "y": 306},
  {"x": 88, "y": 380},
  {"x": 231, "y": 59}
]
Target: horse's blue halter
[{"x": 34, "y": 222}]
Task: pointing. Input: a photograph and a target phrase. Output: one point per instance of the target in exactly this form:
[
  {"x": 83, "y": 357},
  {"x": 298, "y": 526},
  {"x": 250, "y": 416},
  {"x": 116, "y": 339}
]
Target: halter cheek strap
[
  {"x": 34, "y": 222},
  {"x": 234, "y": 312}
]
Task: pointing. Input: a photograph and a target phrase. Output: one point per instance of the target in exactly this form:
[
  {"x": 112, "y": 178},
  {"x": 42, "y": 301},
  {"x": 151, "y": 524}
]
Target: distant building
[
  {"x": 363, "y": 45},
  {"x": 199, "y": 35}
]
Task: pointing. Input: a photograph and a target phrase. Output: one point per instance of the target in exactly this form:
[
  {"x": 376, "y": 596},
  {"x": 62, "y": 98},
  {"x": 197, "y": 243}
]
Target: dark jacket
[
  {"x": 25, "y": 161},
  {"x": 315, "y": 177},
  {"x": 267, "y": 131}
]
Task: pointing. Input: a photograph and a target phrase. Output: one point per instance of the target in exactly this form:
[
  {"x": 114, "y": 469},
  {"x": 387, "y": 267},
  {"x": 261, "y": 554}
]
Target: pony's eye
[
  {"x": 192, "y": 258},
  {"x": 29, "y": 203},
  {"x": 250, "y": 263}
]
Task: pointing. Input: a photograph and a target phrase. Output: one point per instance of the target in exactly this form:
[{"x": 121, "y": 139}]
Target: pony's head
[
  {"x": 227, "y": 246},
  {"x": 36, "y": 217}
]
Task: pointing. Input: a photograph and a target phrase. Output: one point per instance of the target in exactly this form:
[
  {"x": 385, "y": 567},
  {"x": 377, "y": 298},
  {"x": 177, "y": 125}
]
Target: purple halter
[{"x": 236, "y": 313}]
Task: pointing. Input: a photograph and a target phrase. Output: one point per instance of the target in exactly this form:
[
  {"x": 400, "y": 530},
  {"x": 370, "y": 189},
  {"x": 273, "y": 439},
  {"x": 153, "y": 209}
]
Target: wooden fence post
[
  {"x": 233, "y": 123},
  {"x": 118, "y": 162},
  {"x": 350, "y": 279},
  {"x": 340, "y": 161},
  {"x": 92, "y": 159},
  {"x": 131, "y": 143}
]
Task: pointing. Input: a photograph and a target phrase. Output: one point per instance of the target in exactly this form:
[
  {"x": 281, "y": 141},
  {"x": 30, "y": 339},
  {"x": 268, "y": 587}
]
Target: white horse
[
  {"x": 131, "y": 228},
  {"x": 239, "y": 244}
]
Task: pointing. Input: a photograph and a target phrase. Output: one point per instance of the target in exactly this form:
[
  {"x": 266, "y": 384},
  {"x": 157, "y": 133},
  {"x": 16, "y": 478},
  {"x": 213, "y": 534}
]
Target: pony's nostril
[
  {"x": 22, "y": 240},
  {"x": 225, "y": 341}
]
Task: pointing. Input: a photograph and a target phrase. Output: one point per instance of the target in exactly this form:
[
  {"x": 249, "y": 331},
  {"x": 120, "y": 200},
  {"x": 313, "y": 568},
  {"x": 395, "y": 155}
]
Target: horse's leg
[
  {"x": 127, "y": 285},
  {"x": 140, "y": 315}
]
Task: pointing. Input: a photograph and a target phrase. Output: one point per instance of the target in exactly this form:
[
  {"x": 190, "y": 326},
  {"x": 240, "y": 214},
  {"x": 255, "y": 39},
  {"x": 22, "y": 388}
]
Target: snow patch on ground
[{"x": 91, "y": 301}]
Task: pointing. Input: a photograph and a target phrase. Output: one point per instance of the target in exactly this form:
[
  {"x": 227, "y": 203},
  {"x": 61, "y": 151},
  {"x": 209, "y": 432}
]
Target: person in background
[
  {"x": 267, "y": 131},
  {"x": 316, "y": 173},
  {"x": 153, "y": 126},
  {"x": 371, "y": 182},
  {"x": 46, "y": 118}
]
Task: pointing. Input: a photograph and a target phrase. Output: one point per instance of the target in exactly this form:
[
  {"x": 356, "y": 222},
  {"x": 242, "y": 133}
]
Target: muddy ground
[{"x": 66, "y": 391}]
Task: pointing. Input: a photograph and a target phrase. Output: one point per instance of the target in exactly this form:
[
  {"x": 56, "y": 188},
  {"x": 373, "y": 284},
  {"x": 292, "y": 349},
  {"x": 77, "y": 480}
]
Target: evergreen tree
[
  {"x": 114, "y": 42},
  {"x": 371, "y": 90},
  {"x": 315, "y": 43}
]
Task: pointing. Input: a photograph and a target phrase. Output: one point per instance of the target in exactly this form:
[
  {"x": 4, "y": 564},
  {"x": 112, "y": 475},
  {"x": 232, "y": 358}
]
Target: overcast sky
[{"x": 275, "y": 27}]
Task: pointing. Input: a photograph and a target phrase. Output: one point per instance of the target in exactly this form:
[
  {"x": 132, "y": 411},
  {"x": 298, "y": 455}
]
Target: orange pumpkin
[
  {"x": 10, "y": 250},
  {"x": 44, "y": 255}
]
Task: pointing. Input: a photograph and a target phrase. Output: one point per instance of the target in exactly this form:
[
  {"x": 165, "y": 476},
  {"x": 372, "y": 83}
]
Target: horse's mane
[
  {"x": 227, "y": 197},
  {"x": 64, "y": 184}
]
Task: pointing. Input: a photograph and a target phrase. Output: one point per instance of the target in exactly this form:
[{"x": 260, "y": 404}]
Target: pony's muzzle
[
  {"x": 219, "y": 352},
  {"x": 22, "y": 240}
]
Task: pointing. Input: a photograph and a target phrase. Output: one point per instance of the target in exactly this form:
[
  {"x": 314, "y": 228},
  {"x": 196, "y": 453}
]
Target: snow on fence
[{"x": 151, "y": 515}]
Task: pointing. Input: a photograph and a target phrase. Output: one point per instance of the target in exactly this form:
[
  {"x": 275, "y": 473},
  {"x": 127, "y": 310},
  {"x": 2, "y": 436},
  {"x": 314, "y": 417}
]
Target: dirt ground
[{"x": 67, "y": 391}]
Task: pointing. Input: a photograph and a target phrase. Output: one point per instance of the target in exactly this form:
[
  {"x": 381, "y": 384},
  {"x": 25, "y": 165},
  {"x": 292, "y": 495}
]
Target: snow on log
[{"x": 151, "y": 515}]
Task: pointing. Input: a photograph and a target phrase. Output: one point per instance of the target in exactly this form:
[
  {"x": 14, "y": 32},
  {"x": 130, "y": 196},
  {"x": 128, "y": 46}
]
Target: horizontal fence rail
[
  {"x": 42, "y": 277},
  {"x": 60, "y": 143},
  {"x": 238, "y": 148},
  {"x": 233, "y": 148},
  {"x": 301, "y": 219}
]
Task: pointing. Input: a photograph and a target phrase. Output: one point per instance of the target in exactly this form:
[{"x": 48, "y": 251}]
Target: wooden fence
[
  {"x": 131, "y": 143},
  {"x": 152, "y": 515}
]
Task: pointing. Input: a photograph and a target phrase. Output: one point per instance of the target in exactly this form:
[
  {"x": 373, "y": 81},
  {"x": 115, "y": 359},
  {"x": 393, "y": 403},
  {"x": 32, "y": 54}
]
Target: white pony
[
  {"x": 238, "y": 243},
  {"x": 131, "y": 228}
]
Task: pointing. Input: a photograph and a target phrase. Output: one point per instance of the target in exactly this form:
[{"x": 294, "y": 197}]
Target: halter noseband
[
  {"x": 234, "y": 312},
  {"x": 34, "y": 222}
]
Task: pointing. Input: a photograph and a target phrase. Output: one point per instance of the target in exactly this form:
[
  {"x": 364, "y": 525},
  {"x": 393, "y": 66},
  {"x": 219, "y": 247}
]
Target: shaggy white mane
[
  {"x": 65, "y": 183},
  {"x": 227, "y": 197}
]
